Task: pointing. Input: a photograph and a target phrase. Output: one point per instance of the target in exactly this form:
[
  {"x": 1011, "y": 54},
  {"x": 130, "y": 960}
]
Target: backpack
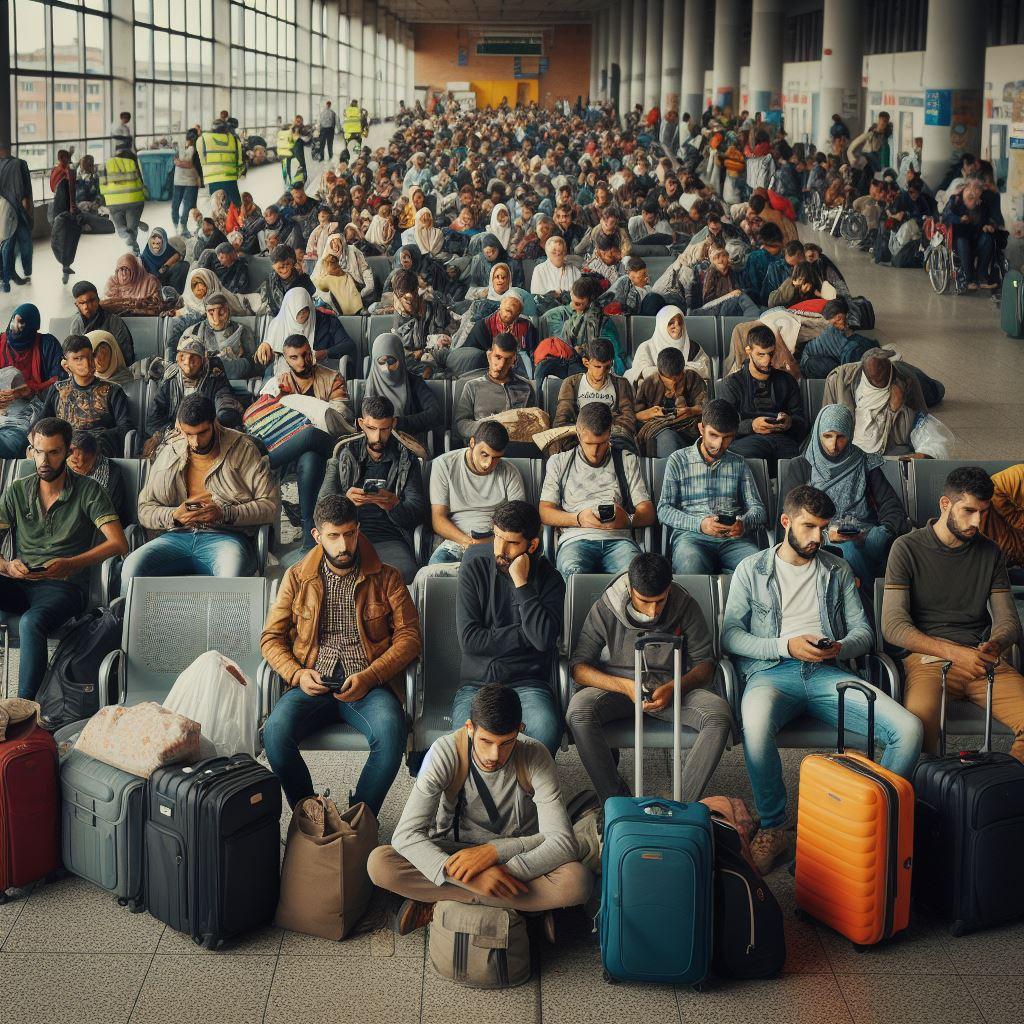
[
  {"x": 69, "y": 690},
  {"x": 862, "y": 313},
  {"x": 479, "y": 947}
]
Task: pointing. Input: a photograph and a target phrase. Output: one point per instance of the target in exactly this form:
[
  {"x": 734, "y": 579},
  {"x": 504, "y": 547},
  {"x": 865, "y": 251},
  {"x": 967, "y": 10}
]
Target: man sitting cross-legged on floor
[{"x": 518, "y": 853}]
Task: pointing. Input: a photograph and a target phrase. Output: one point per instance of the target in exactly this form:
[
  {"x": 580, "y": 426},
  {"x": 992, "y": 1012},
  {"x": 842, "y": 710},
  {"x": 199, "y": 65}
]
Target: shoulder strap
[
  {"x": 522, "y": 772},
  {"x": 620, "y": 475},
  {"x": 458, "y": 780}
]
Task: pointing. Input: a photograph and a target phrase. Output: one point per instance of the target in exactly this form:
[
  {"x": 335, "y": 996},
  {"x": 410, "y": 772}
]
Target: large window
[
  {"x": 802, "y": 37},
  {"x": 318, "y": 51},
  {"x": 895, "y": 26},
  {"x": 263, "y": 62},
  {"x": 60, "y": 84},
  {"x": 344, "y": 53}
]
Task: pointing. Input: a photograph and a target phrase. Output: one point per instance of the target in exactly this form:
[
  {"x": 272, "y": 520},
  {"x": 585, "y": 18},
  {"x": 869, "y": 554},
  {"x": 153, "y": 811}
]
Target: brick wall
[{"x": 567, "y": 48}]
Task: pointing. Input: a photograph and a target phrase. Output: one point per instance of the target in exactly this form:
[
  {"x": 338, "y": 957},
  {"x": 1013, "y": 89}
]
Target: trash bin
[{"x": 157, "y": 166}]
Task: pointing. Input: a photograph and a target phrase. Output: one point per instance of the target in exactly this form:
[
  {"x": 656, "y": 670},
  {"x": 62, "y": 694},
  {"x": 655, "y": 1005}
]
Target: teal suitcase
[{"x": 1011, "y": 305}]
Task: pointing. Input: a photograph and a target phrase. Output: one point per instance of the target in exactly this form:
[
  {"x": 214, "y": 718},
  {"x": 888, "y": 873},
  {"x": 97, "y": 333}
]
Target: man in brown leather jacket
[{"x": 340, "y": 634}]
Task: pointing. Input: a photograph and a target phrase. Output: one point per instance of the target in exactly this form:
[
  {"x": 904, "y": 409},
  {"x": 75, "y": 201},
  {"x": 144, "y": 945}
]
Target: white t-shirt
[
  {"x": 471, "y": 497},
  {"x": 586, "y": 392},
  {"x": 800, "y": 614}
]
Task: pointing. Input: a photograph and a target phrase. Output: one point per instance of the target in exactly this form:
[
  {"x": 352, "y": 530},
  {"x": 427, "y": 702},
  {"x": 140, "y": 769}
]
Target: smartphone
[
  {"x": 823, "y": 644},
  {"x": 606, "y": 513},
  {"x": 36, "y": 568},
  {"x": 374, "y": 486},
  {"x": 333, "y": 685},
  {"x": 193, "y": 506},
  {"x": 726, "y": 518},
  {"x": 847, "y": 531}
]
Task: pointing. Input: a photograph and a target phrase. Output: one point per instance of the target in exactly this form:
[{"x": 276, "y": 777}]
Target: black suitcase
[
  {"x": 64, "y": 238},
  {"x": 213, "y": 847},
  {"x": 970, "y": 832}
]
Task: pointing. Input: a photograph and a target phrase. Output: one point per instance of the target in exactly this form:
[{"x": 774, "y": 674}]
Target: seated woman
[
  {"x": 230, "y": 341},
  {"x": 132, "y": 290},
  {"x": 869, "y": 514},
  {"x": 500, "y": 225},
  {"x": 669, "y": 332},
  {"x": 165, "y": 262},
  {"x": 416, "y": 407},
  {"x": 499, "y": 285},
  {"x": 423, "y": 234},
  {"x": 320, "y": 327},
  {"x": 200, "y": 283},
  {"x": 553, "y": 278},
  {"x": 479, "y": 274},
  {"x": 381, "y": 230},
  {"x": 326, "y": 227},
  {"x": 836, "y": 345},
  {"x": 37, "y": 354},
  {"x": 110, "y": 364}
]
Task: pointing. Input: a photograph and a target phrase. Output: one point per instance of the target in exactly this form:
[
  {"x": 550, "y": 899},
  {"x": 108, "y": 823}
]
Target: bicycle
[{"x": 940, "y": 258}]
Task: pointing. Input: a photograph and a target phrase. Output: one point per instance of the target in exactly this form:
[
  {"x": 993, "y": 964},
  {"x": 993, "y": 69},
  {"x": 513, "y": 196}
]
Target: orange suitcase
[{"x": 854, "y": 839}]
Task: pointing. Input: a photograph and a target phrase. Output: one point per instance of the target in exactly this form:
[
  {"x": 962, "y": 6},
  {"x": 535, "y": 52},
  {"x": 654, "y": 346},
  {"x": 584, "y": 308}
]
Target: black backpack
[
  {"x": 69, "y": 691},
  {"x": 862, "y": 313}
]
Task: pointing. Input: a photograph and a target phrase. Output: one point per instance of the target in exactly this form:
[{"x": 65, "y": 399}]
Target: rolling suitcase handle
[
  {"x": 841, "y": 689},
  {"x": 678, "y": 645},
  {"x": 990, "y": 676}
]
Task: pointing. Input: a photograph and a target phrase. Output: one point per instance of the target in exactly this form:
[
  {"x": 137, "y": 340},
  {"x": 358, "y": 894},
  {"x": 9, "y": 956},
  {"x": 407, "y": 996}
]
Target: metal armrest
[
  {"x": 424, "y": 538},
  {"x": 108, "y": 567},
  {"x": 113, "y": 663},
  {"x": 417, "y": 545},
  {"x": 731, "y": 684},
  {"x": 129, "y": 443},
  {"x": 888, "y": 669},
  {"x": 269, "y": 686},
  {"x": 411, "y": 708},
  {"x": 547, "y": 542},
  {"x": 263, "y": 546},
  {"x": 565, "y": 684},
  {"x": 447, "y": 440},
  {"x": 135, "y": 535}
]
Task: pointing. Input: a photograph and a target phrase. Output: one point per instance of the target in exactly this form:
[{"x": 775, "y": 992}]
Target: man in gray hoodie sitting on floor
[
  {"x": 645, "y": 599},
  {"x": 484, "y": 824}
]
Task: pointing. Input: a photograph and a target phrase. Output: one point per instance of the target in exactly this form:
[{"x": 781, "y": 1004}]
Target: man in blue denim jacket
[{"x": 793, "y": 612}]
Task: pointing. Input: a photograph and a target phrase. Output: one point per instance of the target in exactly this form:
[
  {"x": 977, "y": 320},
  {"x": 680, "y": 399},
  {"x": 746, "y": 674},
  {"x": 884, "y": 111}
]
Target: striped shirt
[{"x": 341, "y": 651}]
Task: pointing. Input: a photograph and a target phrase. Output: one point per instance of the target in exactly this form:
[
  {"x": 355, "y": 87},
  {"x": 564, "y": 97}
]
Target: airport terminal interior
[{"x": 301, "y": 213}]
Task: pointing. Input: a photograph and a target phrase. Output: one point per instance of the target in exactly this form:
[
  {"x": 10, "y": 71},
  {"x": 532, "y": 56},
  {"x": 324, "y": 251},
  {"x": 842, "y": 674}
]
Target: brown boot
[
  {"x": 770, "y": 845},
  {"x": 412, "y": 915}
]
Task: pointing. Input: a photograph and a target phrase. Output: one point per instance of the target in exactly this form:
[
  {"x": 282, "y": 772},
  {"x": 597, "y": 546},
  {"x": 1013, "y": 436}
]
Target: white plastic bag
[
  {"x": 214, "y": 692},
  {"x": 930, "y": 436}
]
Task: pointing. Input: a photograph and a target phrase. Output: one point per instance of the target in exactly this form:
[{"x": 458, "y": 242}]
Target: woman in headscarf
[
  {"x": 669, "y": 332},
  {"x": 321, "y": 328},
  {"x": 381, "y": 231},
  {"x": 416, "y": 407},
  {"x": 352, "y": 262},
  {"x": 337, "y": 285},
  {"x": 132, "y": 290},
  {"x": 423, "y": 234},
  {"x": 249, "y": 211},
  {"x": 219, "y": 210},
  {"x": 164, "y": 261},
  {"x": 36, "y": 355},
  {"x": 869, "y": 514},
  {"x": 553, "y": 278},
  {"x": 326, "y": 227},
  {"x": 491, "y": 253},
  {"x": 110, "y": 364},
  {"x": 501, "y": 224}
]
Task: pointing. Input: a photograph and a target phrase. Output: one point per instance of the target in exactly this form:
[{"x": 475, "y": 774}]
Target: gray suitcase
[{"x": 103, "y": 813}]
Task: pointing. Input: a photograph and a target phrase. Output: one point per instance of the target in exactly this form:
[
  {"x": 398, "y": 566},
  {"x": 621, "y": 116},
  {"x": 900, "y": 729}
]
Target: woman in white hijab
[
  {"x": 424, "y": 234},
  {"x": 297, "y": 316},
  {"x": 669, "y": 332},
  {"x": 554, "y": 276},
  {"x": 202, "y": 282},
  {"x": 501, "y": 224},
  {"x": 350, "y": 261}
]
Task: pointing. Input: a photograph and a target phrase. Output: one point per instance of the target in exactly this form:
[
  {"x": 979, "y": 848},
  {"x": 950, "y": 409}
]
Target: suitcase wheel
[
  {"x": 209, "y": 942},
  {"x": 702, "y": 986},
  {"x": 608, "y": 978},
  {"x": 858, "y": 948}
]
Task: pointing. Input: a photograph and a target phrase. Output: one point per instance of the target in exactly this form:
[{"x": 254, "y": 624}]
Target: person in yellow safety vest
[
  {"x": 220, "y": 156},
  {"x": 295, "y": 148},
  {"x": 285, "y": 149},
  {"x": 124, "y": 194},
  {"x": 352, "y": 125}
]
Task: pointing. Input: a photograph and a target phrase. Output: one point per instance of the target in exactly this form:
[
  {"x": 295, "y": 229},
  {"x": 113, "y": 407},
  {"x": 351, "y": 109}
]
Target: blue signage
[{"x": 938, "y": 107}]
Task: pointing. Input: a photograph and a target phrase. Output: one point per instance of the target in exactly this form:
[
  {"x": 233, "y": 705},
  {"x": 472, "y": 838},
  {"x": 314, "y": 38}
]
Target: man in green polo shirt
[{"x": 54, "y": 516}]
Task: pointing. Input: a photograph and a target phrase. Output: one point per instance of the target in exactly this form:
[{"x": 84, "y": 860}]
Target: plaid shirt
[
  {"x": 694, "y": 490},
  {"x": 340, "y": 645}
]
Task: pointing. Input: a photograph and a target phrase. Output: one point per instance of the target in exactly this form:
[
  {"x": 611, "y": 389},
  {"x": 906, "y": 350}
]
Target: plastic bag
[
  {"x": 214, "y": 692},
  {"x": 930, "y": 436}
]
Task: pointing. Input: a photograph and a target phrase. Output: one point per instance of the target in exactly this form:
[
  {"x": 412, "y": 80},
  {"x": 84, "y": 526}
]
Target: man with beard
[
  {"x": 948, "y": 598},
  {"x": 91, "y": 317},
  {"x": 284, "y": 276},
  {"x": 208, "y": 491},
  {"x": 231, "y": 268},
  {"x": 340, "y": 634},
  {"x": 793, "y": 612},
  {"x": 509, "y": 618},
  {"x": 53, "y": 516}
]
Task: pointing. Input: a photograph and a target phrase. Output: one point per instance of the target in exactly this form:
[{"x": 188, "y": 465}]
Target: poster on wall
[
  {"x": 938, "y": 106},
  {"x": 965, "y": 121}
]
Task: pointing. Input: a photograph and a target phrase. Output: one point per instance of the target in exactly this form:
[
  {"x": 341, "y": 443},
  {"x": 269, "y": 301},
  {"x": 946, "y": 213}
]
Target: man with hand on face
[
  {"x": 340, "y": 634},
  {"x": 484, "y": 824},
  {"x": 54, "y": 516},
  {"x": 793, "y": 611},
  {"x": 948, "y": 598}
]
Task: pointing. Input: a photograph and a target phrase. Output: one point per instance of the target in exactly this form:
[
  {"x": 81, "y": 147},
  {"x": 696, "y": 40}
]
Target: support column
[
  {"x": 842, "y": 61},
  {"x": 725, "y": 78},
  {"x": 765, "y": 83},
  {"x": 595, "y": 54},
  {"x": 671, "y": 52},
  {"x": 355, "y": 73},
  {"x": 652, "y": 55},
  {"x": 695, "y": 59},
  {"x": 611, "y": 52},
  {"x": 636, "y": 82},
  {"x": 410, "y": 68},
  {"x": 954, "y": 77},
  {"x": 625, "y": 55}
]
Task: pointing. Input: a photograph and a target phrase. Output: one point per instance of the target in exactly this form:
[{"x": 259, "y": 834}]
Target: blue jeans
[
  {"x": 738, "y": 305},
  {"x": 446, "y": 552},
  {"x": 188, "y": 553},
  {"x": 697, "y": 554},
  {"x": 19, "y": 244},
  {"x": 974, "y": 245},
  {"x": 867, "y": 559},
  {"x": 44, "y": 606},
  {"x": 778, "y": 695},
  {"x": 666, "y": 442},
  {"x": 541, "y": 714},
  {"x": 378, "y": 716},
  {"x": 13, "y": 442},
  {"x": 308, "y": 450},
  {"x": 183, "y": 202},
  {"x": 586, "y": 556}
]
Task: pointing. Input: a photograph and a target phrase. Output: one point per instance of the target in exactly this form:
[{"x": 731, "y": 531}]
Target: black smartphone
[
  {"x": 847, "y": 531},
  {"x": 333, "y": 685},
  {"x": 36, "y": 568},
  {"x": 823, "y": 644},
  {"x": 374, "y": 486},
  {"x": 606, "y": 513},
  {"x": 726, "y": 518},
  {"x": 481, "y": 535}
]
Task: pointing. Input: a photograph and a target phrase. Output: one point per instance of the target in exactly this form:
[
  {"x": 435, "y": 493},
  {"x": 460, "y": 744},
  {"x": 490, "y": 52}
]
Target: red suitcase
[{"x": 29, "y": 807}]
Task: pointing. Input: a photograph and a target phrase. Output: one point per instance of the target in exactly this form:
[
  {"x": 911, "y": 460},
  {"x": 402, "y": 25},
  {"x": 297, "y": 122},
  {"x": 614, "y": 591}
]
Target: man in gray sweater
[
  {"x": 484, "y": 824},
  {"x": 497, "y": 390},
  {"x": 645, "y": 599}
]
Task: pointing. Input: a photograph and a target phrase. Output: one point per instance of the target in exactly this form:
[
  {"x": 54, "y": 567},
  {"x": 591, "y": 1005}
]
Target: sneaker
[
  {"x": 770, "y": 845},
  {"x": 413, "y": 915}
]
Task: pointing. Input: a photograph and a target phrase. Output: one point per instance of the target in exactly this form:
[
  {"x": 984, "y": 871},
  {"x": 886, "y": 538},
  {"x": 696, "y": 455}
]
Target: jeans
[
  {"x": 541, "y": 713},
  {"x": 587, "y": 556},
  {"x": 230, "y": 189},
  {"x": 192, "y": 553},
  {"x": 13, "y": 442},
  {"x": 446, "y": 552},
  {"x": 776, "y": 696},
  {"x": 183, "y": 202},
  {"x": 867, "y": 559},
  {"x": 308, "y": 450},
  {"x": 770, "y": 447},
  {"x": 738, "y": 305},
  {"x": 697, "y": 554},
  {"x": 977, "y": 245},
  {"x": 396, "y": 552},
  {"x": 666, "y": 442},
  {"x": 19, "y": 244},
  {"x": 553, "y": 366},
  {"x": 44, "y": 606},
  {"x": 126, "y": 219},
  {"x": 378, "y": 716}
]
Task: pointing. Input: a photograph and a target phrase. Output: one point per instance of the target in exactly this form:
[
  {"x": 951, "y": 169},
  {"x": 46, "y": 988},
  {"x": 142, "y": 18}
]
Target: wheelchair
[{"x": 940, "y": 259}]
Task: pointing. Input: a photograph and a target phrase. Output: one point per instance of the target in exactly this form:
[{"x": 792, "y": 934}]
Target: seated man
[
  {"x": 947, "y": 598},
  {"x": 509, "y": 619},
  {"x": 230, "y": 341},
  {"x": 15, "y": 413},
  {"x": 598, "y": 384},
  {"x": 645, "y": 600},
  {"x": 596, "y": 496},
  {"x": 771, "y": 412},
  {"x": 973, "y": 234},
  {"x": 92, "y": 317},
  {"x": 466, "y": 486},
  {"x": 633, "y": 290},
  {"x": 669, "y": 404},
  {"x": 208, "y": 490},
  {"x": 722, "y": 292},
  {"x": 527, "y": 863},
  {"x": 284, "y": 276},
  {"x": 709, "y": 499},
  {"x": 839, "y": 343},
  {"x": 792, "y": 611},
  {"x": 1004, "y": 522},
  {"x": 54, "y": 516},
  {"x": 229, "y": 267},
  {"x": 780, "y": 272},
  {"x": 607, "y": 224},
  {"x": 378, "y": 470},
  {"x": 760, "y": 262},
  {"x": 343, "y": 658},
  {"x": 193, "y": 373},
  {"x": 497, "y": 390},
  {"x": 506, "y": 319},
  {"x": 605, "y": 263},
  {"x": 87, "y": 402}
]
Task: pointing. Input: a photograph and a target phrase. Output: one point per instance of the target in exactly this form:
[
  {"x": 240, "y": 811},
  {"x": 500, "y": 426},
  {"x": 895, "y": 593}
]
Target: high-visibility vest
[
  {"x": 120, "y": 182},
  {"x": 353, "y": 123},
  {"x": 285, "y": 143},
  {"x": 220, "y": 154}
]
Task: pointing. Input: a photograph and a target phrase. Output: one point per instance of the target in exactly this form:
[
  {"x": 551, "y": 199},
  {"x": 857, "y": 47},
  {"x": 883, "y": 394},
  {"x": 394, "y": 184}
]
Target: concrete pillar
[
  {"x": 636, "y": 82},
  {"x": 355, "y": 73},
  {"x": 652, "y": 55},
  {"x": 954, "y": 79},
  {"x": 595, "y": 54},
  {"x": 611, "y": 47},
  {"x": 671, "y": 53},
  {"x": 625, "y": 55},
  {"x": 765, "y": 77},
  {"x": 695, "y": 59},
  {"x": 842, "y": 60},
  {"x": 725, "y": 82}
]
